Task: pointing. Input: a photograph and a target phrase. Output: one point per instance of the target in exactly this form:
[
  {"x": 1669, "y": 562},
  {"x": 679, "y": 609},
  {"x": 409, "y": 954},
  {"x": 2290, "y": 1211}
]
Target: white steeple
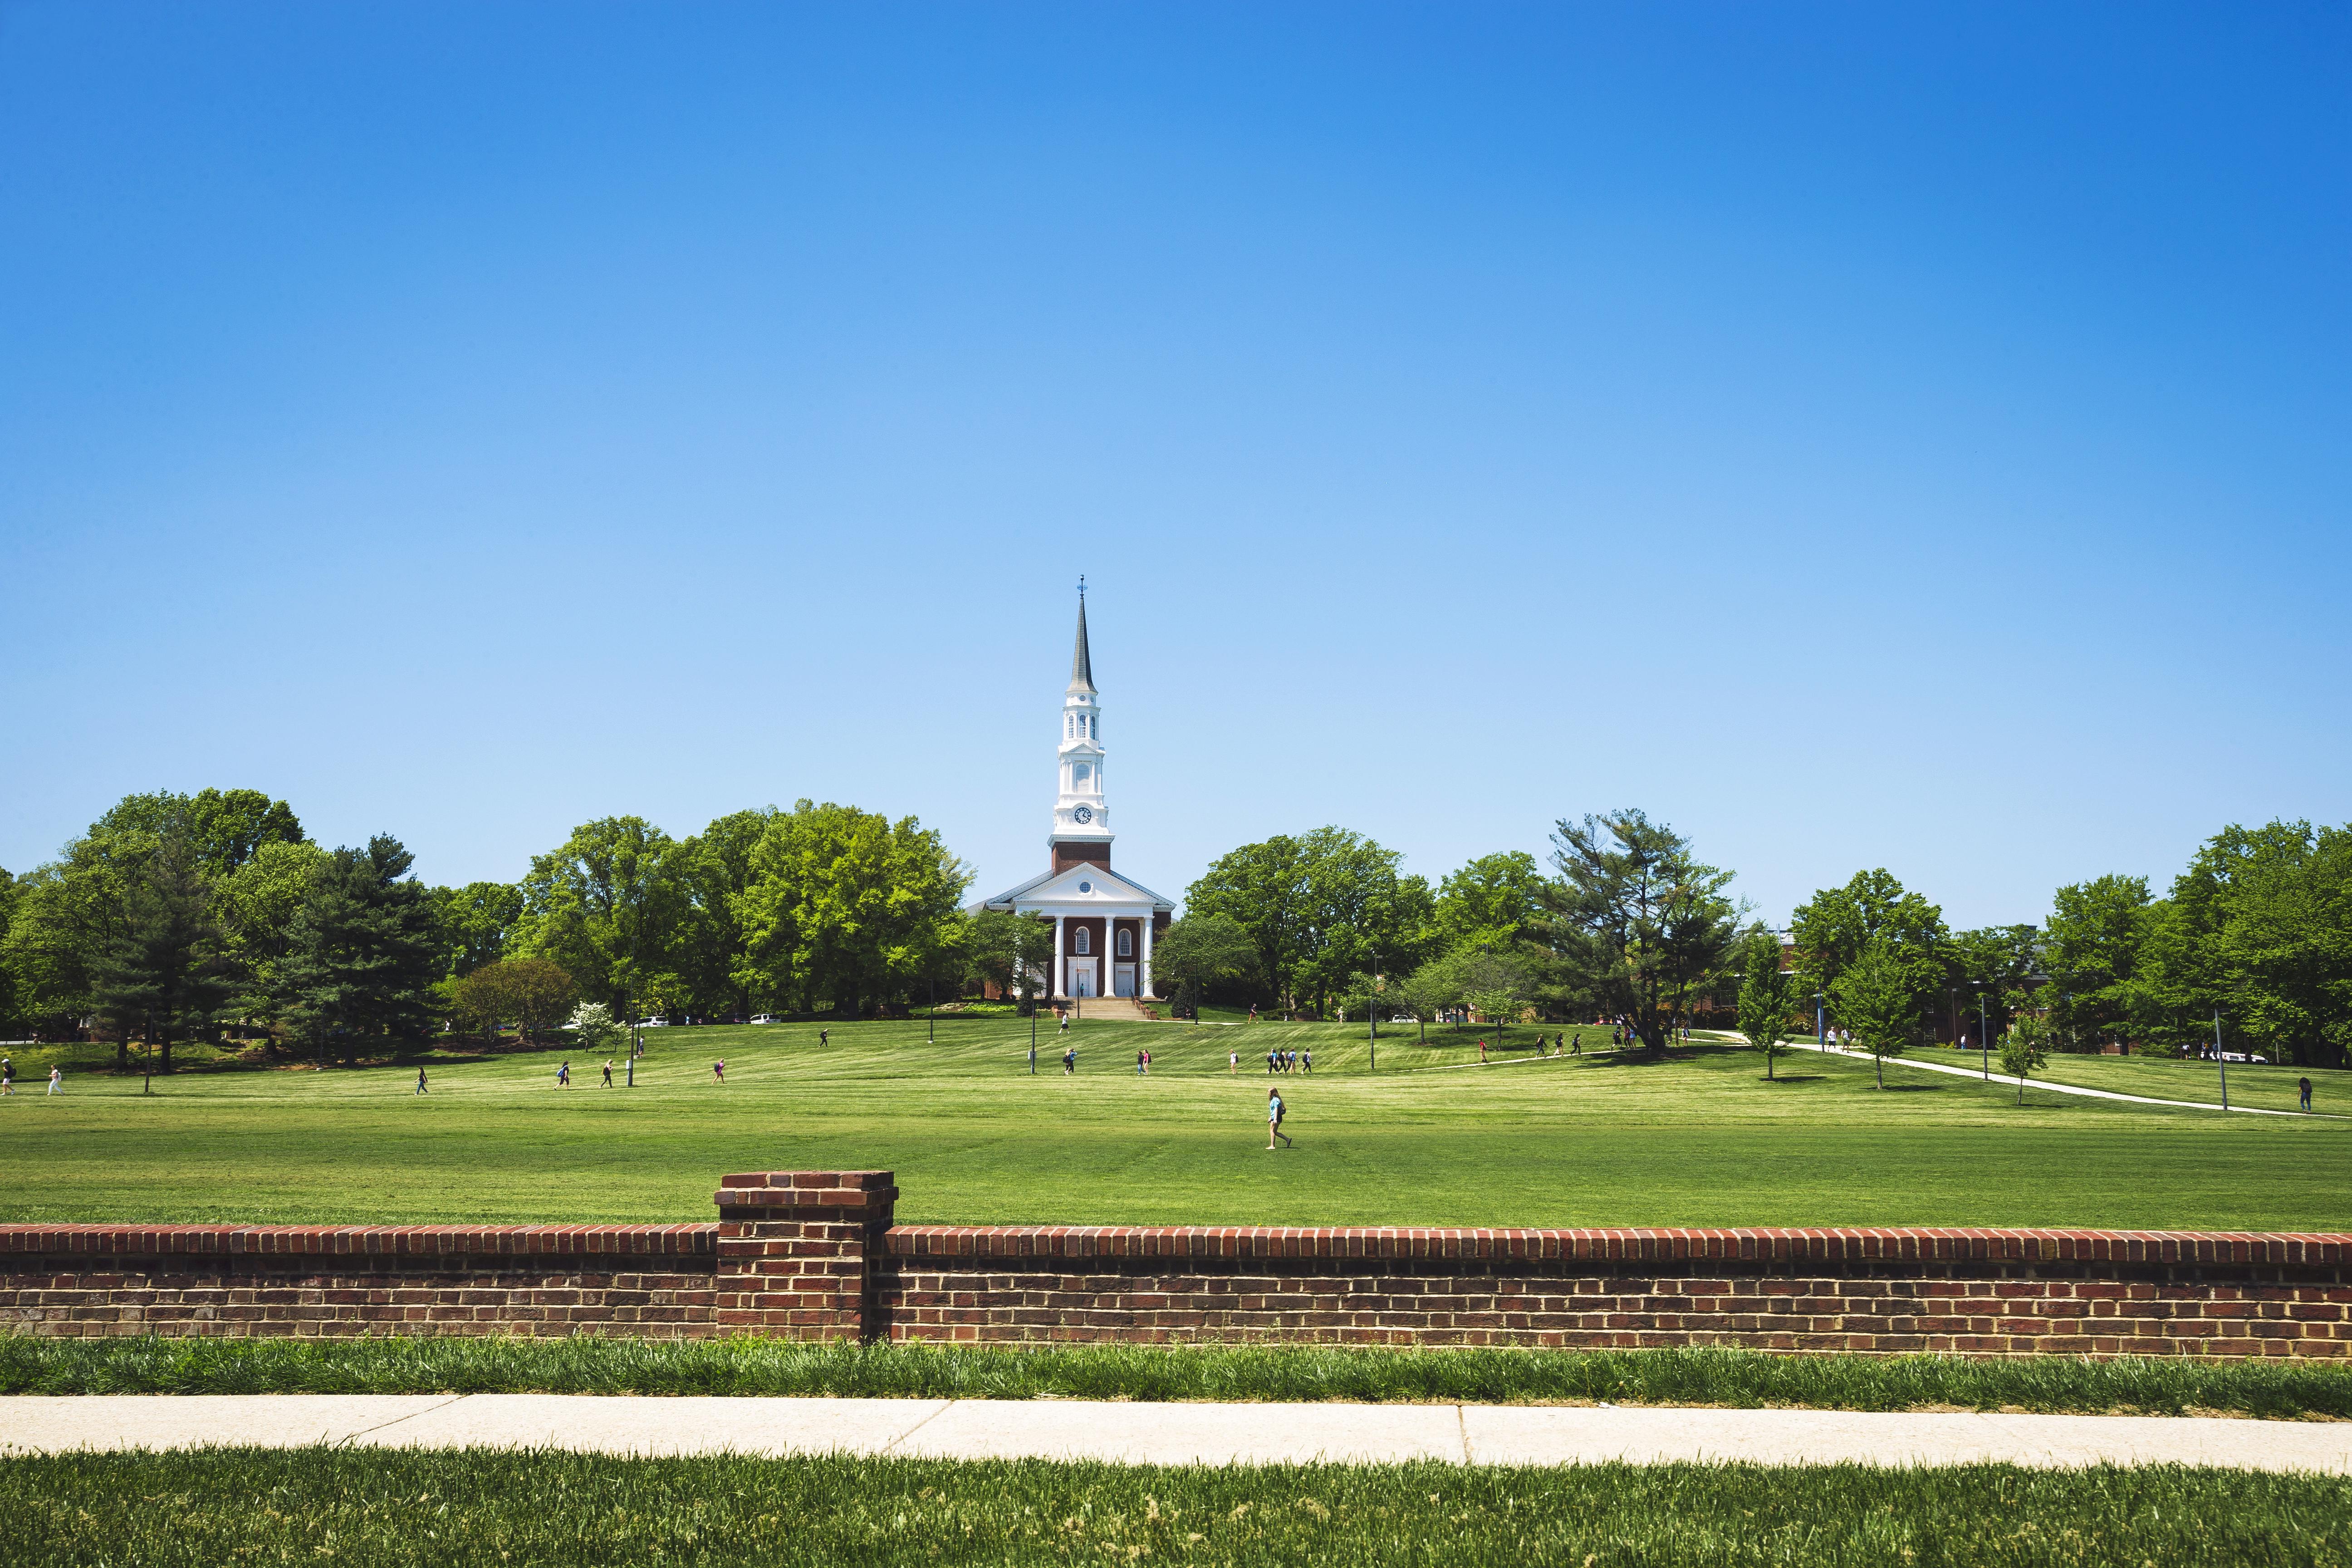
[{"x": 1079, "y": 815}]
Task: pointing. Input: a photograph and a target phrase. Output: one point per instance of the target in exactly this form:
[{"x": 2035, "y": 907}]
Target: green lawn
[
  {"x": 509, "y": 1509},
  {"x": 1432, "y": 1139},
  {"x": 1703, "y": 1375}
]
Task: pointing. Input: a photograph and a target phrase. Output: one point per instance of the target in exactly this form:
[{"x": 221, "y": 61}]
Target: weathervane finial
[{"x": 1082, "y": 585}]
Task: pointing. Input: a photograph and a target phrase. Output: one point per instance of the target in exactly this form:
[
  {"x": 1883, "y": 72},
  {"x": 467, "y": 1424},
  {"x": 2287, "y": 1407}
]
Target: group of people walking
[
  {"x": 1289, "y": 1061},
  {"x": 8, "y": 1078}
]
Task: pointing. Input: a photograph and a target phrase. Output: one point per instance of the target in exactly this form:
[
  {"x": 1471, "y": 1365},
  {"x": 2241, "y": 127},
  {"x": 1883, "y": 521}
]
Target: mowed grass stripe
[
  {"x": 1717, "y": 1377},
  {"x": 506, "y": 1508},
  {"x": 1597, "y": 1140}
]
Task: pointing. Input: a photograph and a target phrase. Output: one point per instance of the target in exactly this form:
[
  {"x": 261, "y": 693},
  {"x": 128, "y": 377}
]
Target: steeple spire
[{"x": 1082, "y": 664}]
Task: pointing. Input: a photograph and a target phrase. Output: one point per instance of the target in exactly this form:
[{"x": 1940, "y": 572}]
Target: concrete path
[
  {"x": 2006, "y": 1082},
  {"x": 1160, "y": 1434}
]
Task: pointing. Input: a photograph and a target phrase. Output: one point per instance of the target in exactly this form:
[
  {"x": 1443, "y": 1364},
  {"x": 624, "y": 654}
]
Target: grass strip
[
  {"x": 510, "y": 1508},
  {"x": 1706, "y": 1376}
]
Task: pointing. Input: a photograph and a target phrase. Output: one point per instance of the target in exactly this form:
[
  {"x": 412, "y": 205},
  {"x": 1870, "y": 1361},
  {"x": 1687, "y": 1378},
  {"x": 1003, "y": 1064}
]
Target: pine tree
[
  {"x": 363, "y": 952},
  {"x": 164, "y": 973}
]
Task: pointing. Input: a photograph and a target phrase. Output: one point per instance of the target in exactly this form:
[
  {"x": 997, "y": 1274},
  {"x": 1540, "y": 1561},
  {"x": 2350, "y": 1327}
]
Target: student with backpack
[
  {"x": 1274, "y": 1114},
  {"x": 1069, "y": 1060}
]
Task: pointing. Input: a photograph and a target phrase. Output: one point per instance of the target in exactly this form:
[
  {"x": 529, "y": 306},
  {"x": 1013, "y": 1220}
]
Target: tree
[
  {"x": 1012, "y": 952},
  {"x": 1493, "y": 901},
  {"x": 478, "y": 921},
  {"x": 227, "y": 828},
  {"x": 1767, "y": 996},
  {"x": 1640, "y": 922},
  {"x": 1983, "y": 966},
  {"x": 1317, "y": 907},
  {"x": 847, "y": 905},
  {"x": 2258, "y": 930},
  {"x": 593, "y": 1025},
  {"x": 716, "y": 869},
  {"x": 1494, "y": 984},
  {"x": 531, "y": 991},
  {"x": 2097, "y": 929},
  {"x": 165, "y": 974},
  {"x": 1832, "y": 929},
  {"x": 363, "y": 950},
  {"x": 1201, "y": 952},
  {"x": 2021, "y": 1052},
  {"x": 1433, "y": 988},
  {"x": 608, "y": 906},
  {"x": 1877, "y": 1001}
]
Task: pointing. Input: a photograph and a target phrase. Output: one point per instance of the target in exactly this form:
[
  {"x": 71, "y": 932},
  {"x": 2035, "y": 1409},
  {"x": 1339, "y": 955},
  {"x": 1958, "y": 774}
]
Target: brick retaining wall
[{"x": 813, "y": 1255}]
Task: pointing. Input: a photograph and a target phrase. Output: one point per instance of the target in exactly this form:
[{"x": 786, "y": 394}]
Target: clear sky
[{"x": 1889, "y": 436}]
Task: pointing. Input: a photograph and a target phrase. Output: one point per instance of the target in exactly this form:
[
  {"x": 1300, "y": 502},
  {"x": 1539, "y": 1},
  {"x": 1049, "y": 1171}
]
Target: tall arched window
[
  {"x": 1086, "y": 940},
  {"x": 1127, "y": 944}
]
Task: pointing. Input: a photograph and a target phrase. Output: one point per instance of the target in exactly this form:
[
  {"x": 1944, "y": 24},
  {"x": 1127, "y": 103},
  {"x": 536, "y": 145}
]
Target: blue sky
[{"x": 1908, "y": 436}]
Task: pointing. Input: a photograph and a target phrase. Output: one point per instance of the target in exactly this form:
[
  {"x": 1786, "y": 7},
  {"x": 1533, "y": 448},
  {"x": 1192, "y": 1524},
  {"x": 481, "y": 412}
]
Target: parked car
[
  {"x": 763, "y": 1018},
  {"x": 2242, "y": 1057},
  {"x": 652, "y": 1023}
]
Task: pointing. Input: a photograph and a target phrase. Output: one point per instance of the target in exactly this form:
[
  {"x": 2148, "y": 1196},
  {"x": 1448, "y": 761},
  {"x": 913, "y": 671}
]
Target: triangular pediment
[{"x": 1077, "y": 886}]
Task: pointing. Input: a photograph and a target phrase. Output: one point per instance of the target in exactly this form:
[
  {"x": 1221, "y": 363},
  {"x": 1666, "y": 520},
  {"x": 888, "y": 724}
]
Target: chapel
[{"x": 1103, "y": 922}]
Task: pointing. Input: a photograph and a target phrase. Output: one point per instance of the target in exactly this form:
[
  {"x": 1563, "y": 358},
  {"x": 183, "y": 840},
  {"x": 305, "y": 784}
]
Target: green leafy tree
[
  {"x": 1640, "y": 922},
  {"x": 1766, "y": 996},
  {"x": 478, "y": 921},
  {"x": 1982, "y": 968},
  {"x": 609, "y": 906},
  {"x": 1834, "y": 928},
  {"x": 1434, "y": 987},
  {"x": 531, "y": 991},
  {"x": 715, "y": 869},
  {"x": 1012, "y": 953},
  {"x": 165, "y": 974},
  {"x": 227, "y": 828},
  {"x": 363, "y": 952},
  {"x": 2097, "y": 931},
  {"x": 1494, "y": 900},
  {"x": 256, "y": 904},
  {"x": 1318, "y": 906},
  {"x": 1200, "y": 953},
  {"x": 1495, "y": 985},
  {"x": 2022, "y": 1050},
  {"x": 13, "y": 1008},
  {"x": 1877, "y": 1000},
  {"x": 847, "y": 906}
]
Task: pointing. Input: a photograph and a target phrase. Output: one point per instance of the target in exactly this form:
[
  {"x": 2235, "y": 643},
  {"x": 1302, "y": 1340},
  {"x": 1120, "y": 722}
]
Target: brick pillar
[{"x": 800, "y": 1253}]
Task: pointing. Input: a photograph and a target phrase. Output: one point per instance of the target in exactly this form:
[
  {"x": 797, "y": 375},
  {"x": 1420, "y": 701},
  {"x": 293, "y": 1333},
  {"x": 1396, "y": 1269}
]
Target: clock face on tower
[{"x": 1084, "y": 815}]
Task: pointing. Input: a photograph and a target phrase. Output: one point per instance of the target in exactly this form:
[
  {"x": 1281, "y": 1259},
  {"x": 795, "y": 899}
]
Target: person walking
[
  {"x": 7, "y": 1075},
  {"x": 1147, "y": 1061},
  {"x": 1272, "y": 1056},
  {"x": 1307, "y": 1062},
  {"x": 1576, "y": 1045},
  {"x": 56, "y": 1081},
  {"x": 1065, "y": 1018},
  {"x": 1482, "y": 1048},
  {"x": 420, "y": 1080},
  {"x": 1139, "y": 1064},
  {"x": 564, "y": 1076},
  {"x": 1069, "y": 1060},
  {"x": 608, "y": 1072},
  {"x": 1233, "y": 1064},
  {"x": 719, "y": 1070},
  {"x": 1274, "y": 1113},
  {"x": 2304, "y": 1086}
]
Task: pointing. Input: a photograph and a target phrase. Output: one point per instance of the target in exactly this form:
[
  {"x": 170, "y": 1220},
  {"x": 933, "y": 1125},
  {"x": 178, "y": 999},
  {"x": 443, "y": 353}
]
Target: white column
[
  {"x": 1061, "y": 961},
  {"x": 1144, "y": 988}
]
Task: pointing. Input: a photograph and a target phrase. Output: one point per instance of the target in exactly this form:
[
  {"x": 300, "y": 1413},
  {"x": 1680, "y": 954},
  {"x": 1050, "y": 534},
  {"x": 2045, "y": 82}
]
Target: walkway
[
  {"x": 1123, "y": 1433},
  {"x": 2006, "y": 1082}
]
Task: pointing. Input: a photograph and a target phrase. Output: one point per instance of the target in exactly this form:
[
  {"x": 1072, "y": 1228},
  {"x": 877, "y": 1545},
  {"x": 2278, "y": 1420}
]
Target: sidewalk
[
  {"x": 1125, "y": 1433},
  {"x": 2044, "y": 1085}
]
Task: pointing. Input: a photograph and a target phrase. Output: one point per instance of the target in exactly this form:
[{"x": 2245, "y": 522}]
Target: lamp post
[
  {"x": 1984, "y": 1033},
  {"x": 1373, "y": 1013},
  {"x": 2219, "y": 1060},
  {"x": 1821, "y": 1024}
]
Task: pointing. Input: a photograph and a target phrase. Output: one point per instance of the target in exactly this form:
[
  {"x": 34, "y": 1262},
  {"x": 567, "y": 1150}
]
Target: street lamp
[
  {"x": 2218, "y": 1059},
  {"x": 1820, "y": 1023},
  {"x": 1984, "y": 1033}
]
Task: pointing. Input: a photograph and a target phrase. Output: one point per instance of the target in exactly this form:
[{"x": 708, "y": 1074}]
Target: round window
[{"x": 1086, "y": 886}]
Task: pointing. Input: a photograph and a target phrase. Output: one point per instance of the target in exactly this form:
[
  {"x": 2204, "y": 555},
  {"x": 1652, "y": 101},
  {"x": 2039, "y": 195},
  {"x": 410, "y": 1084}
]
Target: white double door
[{"x": 1082, "y": 978}]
